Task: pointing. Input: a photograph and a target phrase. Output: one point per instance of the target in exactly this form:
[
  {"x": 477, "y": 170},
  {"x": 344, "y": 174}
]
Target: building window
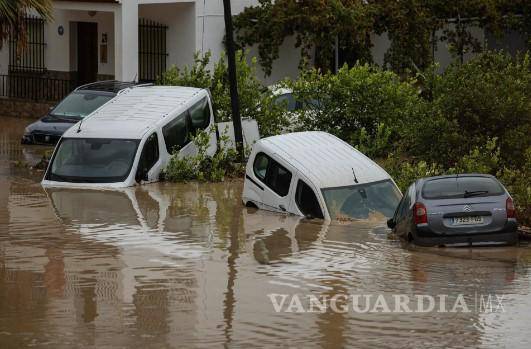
[
  {"x": 28, "y": 58},
  {"x": 152, "y": 50}
]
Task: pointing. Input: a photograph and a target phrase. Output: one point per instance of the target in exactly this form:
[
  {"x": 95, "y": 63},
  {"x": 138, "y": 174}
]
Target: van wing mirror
[{"x": 391, "y": 223}]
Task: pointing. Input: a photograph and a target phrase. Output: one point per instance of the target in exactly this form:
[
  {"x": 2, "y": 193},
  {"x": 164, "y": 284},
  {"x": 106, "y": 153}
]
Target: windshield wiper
[{"x": 475, "y": 193}]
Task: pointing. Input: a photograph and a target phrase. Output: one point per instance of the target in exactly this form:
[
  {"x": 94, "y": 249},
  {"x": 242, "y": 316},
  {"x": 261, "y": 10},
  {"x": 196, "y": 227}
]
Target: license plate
[{"x": 468, "y": 220}]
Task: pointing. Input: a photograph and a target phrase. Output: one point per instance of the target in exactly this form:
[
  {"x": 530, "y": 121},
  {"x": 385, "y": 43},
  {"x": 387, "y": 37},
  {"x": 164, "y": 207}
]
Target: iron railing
[
  {"x": 152, "y": 50},
  {"x": 31, "y": 57},
  {"x": 35, "y": 88}
]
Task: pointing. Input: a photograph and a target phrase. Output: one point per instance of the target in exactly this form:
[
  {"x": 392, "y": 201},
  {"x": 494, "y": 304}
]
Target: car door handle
[{"x": 282, "y": 208}]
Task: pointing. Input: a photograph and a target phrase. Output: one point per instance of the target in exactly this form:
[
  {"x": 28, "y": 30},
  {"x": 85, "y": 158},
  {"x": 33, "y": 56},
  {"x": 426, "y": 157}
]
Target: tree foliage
[
  {"x": 256, "y": 101},
  {"x": 413, "y": 26},
  {"x": 12, "y": 14}
]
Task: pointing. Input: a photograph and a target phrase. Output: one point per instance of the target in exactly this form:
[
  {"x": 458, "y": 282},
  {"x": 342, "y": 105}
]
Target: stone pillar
[{"x": 126, "y": 41}]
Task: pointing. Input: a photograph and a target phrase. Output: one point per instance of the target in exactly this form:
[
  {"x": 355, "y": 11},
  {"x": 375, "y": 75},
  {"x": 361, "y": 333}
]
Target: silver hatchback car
[{"x": 460, "y": 209}]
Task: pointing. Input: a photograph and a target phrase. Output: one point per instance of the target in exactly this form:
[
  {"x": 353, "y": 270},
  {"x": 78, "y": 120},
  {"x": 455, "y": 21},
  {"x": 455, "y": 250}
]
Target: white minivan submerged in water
[
  {"x": 130, "y": 139},
  {"x": 317, "y": 175}
]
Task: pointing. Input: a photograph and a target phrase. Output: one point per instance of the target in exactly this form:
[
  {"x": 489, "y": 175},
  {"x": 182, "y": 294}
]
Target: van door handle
[{"x": 282, "y": 208}]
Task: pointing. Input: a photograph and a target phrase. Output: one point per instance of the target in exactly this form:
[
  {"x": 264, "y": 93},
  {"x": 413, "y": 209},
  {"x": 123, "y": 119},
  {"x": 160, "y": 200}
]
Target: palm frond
[{"x": 12, "y": 14}]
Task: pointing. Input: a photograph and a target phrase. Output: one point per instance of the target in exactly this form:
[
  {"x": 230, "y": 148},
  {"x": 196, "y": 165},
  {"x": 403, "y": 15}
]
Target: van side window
[
  {"x": 278, "y": 178},
  {"x": 307, "y": 201},
  {"x": 176, "y": 133},
  {"x": 148, "y": 158},
  {"x": 261, "y": 162},
  {"x": 200, "y": 116},
  {"x": 273, "y": 174}
]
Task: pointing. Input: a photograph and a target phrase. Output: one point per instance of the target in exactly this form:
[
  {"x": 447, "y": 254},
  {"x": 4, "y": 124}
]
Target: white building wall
[
  {"x": 210, "y": 28},
  {"x": 60, "y": 56},
  {"x": 181, "y": 35}
]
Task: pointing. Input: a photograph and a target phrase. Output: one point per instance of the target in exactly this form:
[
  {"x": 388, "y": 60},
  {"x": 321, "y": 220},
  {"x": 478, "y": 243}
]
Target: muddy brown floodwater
[{"x": 186, "y": 265}]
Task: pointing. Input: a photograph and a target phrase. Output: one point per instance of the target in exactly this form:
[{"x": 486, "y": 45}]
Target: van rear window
[{"x": 461, "y": 187}]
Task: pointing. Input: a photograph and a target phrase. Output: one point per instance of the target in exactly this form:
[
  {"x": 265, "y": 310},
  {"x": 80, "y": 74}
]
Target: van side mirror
[{"x": 391, "y": 223}]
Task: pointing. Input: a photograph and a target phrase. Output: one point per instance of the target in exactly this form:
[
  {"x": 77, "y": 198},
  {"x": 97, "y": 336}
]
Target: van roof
[
  {"x": 325, "y": 159},
  {"x": 134, "y": 111}
]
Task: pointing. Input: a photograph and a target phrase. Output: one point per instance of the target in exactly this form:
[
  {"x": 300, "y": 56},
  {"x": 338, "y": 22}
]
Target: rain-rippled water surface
[{"x": 186, "y": 265}]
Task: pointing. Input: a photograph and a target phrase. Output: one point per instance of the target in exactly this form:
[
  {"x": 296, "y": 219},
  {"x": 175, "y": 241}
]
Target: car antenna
[{"x": 355, "y": 178}]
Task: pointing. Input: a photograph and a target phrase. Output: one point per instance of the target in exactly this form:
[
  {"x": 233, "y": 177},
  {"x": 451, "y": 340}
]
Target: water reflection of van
[
  {"x": 130, "y": 139},
  {"x": 317, "y": 175}
]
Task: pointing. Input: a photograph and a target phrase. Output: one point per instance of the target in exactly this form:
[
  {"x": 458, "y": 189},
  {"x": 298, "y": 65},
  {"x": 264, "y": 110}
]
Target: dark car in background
[
  {"x": 74, "y": 107},
  {"x": 462, "y": 209}
]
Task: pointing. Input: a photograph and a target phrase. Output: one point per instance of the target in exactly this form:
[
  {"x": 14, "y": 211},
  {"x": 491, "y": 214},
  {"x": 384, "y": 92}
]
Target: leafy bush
[
  {"x": 202, "y": 167},
  {"x": 362, "y": 105},
  {"x": 485, "y": 98},
  {"x": 407, "y": 171},
  {"x": 256, "y": 101},
  {"x": 482, "y": 159}
]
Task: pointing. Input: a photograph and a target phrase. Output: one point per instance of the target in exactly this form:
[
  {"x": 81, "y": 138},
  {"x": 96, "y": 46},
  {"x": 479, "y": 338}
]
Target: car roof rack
[{"x": 114, "y": 86}]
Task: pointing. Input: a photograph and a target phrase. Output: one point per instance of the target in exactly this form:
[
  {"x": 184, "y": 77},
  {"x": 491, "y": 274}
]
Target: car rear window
[{"x": 461, "y": 187}]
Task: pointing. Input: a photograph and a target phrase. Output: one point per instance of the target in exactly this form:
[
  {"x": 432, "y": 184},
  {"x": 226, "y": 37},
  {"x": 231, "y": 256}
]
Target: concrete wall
[{"x": 24, "y": 108}]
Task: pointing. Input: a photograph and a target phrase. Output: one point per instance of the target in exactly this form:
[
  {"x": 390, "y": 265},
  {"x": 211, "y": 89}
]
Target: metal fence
[
  {"x": 152, "y": 50},
  {"x": 35, "y": 88},
  {"x": 28, "y": 58}
]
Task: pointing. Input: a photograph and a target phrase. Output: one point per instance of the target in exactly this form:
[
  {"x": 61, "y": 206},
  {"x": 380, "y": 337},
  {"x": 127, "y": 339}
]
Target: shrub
[
  {"x": 202, "y": 167},
  {"x": 256, "y": 101},
  {"x": 484, "y": 98},
  {"x": 362, "y": 105}
]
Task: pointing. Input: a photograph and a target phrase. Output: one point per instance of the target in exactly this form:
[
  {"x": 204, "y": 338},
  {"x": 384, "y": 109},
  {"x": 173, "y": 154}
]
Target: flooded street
[{"x": 186, "y": 265}]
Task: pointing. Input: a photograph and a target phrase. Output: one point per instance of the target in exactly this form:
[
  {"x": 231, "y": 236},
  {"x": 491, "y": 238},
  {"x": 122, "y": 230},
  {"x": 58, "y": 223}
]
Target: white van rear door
[{"x": 250, "y": 133}]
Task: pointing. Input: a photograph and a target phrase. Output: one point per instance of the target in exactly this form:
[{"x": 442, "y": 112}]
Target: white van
[
  {"x": 131, "y": 138},
  {"x": 317, "y": 175}
]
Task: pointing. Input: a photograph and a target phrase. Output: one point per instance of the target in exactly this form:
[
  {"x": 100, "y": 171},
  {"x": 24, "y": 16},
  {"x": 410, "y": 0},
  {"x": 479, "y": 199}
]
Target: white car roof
[
  {"x": 325, "y": 159},
  {"x": 134, "y": 111}
]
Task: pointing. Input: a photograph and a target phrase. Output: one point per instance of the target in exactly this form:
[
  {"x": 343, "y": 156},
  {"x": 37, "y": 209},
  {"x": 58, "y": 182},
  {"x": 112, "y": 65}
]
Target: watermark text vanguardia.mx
[{"x": 387, "y": 303}]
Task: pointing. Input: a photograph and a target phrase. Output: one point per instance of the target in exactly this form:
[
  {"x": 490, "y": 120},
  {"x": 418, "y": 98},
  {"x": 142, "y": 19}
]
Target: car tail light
[
  {"x": 420, "y": 213},
  {"x": 509, "y": 207}
]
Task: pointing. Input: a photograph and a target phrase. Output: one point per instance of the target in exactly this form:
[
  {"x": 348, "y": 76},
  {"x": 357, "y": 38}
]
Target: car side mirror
[{"x": 391, "y": 223}]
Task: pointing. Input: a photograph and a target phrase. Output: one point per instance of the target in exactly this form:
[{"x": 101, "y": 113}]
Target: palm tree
[{"x": 12, "y": 14}]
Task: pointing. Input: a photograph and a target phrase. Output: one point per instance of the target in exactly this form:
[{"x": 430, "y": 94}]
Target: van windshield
[
  {"x": 360, "y": 201},
  {"x": 90, "y": 160}
]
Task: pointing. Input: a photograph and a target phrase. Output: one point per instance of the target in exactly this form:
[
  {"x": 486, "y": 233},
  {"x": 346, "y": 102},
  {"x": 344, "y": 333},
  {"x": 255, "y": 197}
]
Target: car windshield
[
  {"x": 360, "y": 201},
  {"x": 461, "y": 187},
  {"x": 77, "y": 105},
  {"x": 93, "y": 160}
]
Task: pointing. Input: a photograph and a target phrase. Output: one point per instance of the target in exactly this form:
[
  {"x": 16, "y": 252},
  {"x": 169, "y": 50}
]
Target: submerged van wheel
[{"x": 250, "y": 204}]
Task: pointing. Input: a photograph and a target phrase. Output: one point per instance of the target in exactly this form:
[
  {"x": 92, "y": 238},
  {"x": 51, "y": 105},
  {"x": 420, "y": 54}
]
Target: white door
[{"x": 276, "y": 179}]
